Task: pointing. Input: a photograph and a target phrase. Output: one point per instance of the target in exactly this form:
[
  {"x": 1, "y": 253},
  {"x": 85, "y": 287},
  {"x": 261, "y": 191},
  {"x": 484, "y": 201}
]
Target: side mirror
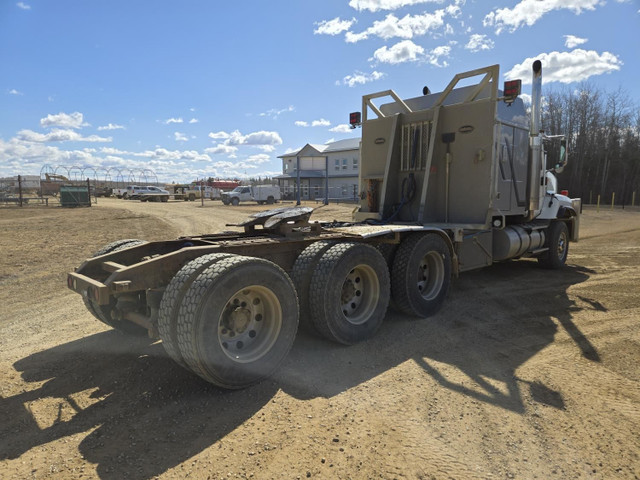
[
  {"x": 563, "y": 158},
  {"x": 556, "y": 153}
]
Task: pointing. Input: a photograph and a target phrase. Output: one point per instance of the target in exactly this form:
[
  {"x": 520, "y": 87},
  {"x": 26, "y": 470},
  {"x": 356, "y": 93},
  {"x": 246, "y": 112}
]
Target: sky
[{"x": 182, "y": 90}]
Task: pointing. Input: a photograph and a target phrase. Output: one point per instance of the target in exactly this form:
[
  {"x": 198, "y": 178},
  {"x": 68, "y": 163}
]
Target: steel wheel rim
[
  {"x": 430, "y": 275},
  {"x": 359, "y": 295},
  {"x": 250, "y": 323},
  {"x": 562, "y": 245}
]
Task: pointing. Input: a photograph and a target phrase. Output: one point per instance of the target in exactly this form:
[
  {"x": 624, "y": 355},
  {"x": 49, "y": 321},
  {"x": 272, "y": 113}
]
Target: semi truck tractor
[{"x": 450, "y": 182}]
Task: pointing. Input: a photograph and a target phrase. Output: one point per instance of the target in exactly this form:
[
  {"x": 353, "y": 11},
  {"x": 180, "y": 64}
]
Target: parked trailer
[{"x": 453, "y": 182}]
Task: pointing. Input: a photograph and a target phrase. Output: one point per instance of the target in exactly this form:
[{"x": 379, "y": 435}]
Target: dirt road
[{"x": 525, "y": 373}]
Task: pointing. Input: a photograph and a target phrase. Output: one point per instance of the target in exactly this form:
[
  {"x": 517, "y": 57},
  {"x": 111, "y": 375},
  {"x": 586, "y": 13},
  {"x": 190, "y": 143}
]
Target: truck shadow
[
  {"x": 146, "y": 415},
  {"x": 494, "y": 321}
]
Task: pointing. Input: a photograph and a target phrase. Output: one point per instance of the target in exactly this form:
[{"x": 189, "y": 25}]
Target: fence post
[
  {"x": 20, "y": 190},
  {"x": 613, "y": 198},
  {"x": 598, "y": 205},
  {"x": 590, "y": 197},
  {"x": 633, "y": 199}
]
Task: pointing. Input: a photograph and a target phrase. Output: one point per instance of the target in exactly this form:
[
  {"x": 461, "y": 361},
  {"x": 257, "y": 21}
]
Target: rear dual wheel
[
  {"x": 172, "y": 300},
  {"x": 237, "y": 321},
  {"x": 421, "y": 274},
  {"x": 348, "y": 292}
]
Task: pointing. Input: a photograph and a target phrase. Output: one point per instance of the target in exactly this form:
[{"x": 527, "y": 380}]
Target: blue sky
[{"x": 198, "y": 88}]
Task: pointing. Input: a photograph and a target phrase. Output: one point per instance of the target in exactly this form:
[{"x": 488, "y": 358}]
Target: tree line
[{"x": 603, "y": 140}]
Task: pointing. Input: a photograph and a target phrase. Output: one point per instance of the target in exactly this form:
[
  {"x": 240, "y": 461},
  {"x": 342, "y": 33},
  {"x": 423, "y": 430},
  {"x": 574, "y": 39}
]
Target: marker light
[
  {"x": 512, "y": 89},
  {"x": 354, "y": 119}
]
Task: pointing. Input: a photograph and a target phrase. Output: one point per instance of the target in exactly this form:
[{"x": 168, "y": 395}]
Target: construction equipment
[{"x": 449, "y": 182}]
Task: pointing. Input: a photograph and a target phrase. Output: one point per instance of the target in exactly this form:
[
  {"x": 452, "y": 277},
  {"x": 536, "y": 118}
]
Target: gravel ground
[{"x": 525, "y": 373}]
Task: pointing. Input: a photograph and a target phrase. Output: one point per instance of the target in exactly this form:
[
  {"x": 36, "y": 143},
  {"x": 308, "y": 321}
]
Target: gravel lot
[{"x": 525, "y": 373}]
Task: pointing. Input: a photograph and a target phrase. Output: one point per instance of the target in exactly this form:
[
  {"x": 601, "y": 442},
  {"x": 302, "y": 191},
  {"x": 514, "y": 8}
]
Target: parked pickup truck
[
  {"x": 149, "y": 194},
  {"x": 119, "y": 192},
  {"x": 259, "y": 193}
]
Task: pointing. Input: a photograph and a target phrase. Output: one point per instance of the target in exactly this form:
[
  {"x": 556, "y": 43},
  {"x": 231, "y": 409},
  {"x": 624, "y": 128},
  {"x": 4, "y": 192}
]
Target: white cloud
[
  {"x": 23, "y": 6},
  {"x": 65, "y": 120},
  {"x": 376, "y": 5},
  {"x": 406, "y": 27},
  {"x": 342, "y": 128},
  {"x": 360, "y": 78},
  {"x": 219, "y": 135},
  {"x": 528, "y": 12},
  {"x": 315, "y": 123},
  {"x": 169, "y": 121},
  {"x": 567, "y": 67},
  {"x": 571, "y": 41},
  {"x": 194, "y": 120},
  {"x": 454, "y": 10},
  {"x": 110, "y": 126},
  {"x": 258, "y": 158},
  {"x": 221, "y": 150},
  {"x": 265, "y": 148},
  {"x": 275, "y": 112},
  {"x": 405, "y": 51},
  {"x": 479, "y": 42},
  {"x": 180, "y": 137},
  {"x": 13, "y": 91},
  {"x": 256, "y": 138},
  {"x": 333, "y": 27},
  {"x": 436, "y": 55},
  {"x": 59, "y": 135},
  {"x": 526, "y": 98}
]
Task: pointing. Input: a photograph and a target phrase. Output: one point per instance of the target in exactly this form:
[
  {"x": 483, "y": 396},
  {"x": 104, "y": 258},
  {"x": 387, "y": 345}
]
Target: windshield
[{"x": 237, "y": 189}]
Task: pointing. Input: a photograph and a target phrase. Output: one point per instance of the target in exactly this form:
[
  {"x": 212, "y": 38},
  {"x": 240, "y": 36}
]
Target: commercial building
[{"x": 314, "y": 165}]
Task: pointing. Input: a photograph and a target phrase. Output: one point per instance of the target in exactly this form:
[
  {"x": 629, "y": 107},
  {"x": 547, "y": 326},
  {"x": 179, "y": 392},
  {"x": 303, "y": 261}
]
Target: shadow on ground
[{"x": 147, "y": 415}]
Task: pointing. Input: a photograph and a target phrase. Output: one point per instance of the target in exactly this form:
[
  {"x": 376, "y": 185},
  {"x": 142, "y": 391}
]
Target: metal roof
[{"x": 340, "y": 145}]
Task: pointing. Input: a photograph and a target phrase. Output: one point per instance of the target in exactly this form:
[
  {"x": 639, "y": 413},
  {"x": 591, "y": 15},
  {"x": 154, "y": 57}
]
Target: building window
[
  {"x": 355, "y": 163},
  {"x": 337, "y": 163},
  {"x": 344, "y": 163}
]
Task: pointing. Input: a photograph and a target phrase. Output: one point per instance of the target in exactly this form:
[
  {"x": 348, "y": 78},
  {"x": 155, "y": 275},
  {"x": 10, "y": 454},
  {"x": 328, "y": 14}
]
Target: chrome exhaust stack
[{"x": 536, "y": 175}]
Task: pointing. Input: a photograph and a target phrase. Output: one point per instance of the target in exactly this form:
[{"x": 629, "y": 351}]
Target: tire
[
  {"x": 235, "y": 201},
  {"x": 301, "y": 273},
  {"x": 172, "y": 299},
  {"x": 103, "y": 312},
  {"x": 237, "y": 321},
  {"x": 164, "y": 199},
  {"x": 192, "y": 197},
  {"x": 421, "y": 274},
  {"x": 558, "y": 243},
  {"x": 226, "y": 202},
  {"x": 270, "y": 200},
  {"x": 388, "y": 252},
  {"x": 349, "y": 292}
]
